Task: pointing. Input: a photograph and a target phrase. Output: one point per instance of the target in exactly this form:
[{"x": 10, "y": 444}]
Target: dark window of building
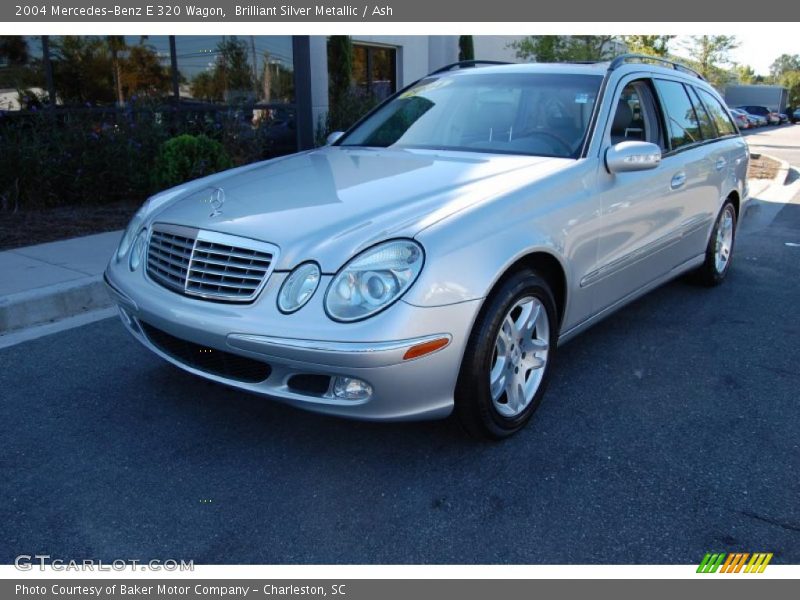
[
  {"x": 375, "y": 70},
  {"x": 235, "y": 70}
]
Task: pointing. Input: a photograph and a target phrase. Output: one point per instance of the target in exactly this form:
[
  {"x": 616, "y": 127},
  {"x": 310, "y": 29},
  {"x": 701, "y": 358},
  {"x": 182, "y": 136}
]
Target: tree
[
  {"x": 340, "y": 67},
  {"x": 116, "y": 45},
  {"x": 654, "y": 45},
  {"x": 232, "y": 67},
  {"x": 143, "y": 74},
  {"x": 346, "y": 103},
  {"x": 710, "y": 55},
  {"x": 541, "y": 48},
  {"x": 14, "y": 49},
  {"x": 745, "y": 74},
  {"x": 20, "y": 70},
  {"x": 783, "y": 64},
  {"x": 230, "y": 77},
  {"x": 204, "y": 87},
  {"x": 791, "y": 81},
  {"x": 466, "y": 48},
  {"x": 561, "y": 48},
  {"x": 82, "y": 70}
]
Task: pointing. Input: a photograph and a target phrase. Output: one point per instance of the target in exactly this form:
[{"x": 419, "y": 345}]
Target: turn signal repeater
[{"x": 424, "y": 348}]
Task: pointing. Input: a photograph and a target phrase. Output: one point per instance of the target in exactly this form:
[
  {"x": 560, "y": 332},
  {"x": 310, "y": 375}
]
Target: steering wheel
[{"x": 549, "y": 134}]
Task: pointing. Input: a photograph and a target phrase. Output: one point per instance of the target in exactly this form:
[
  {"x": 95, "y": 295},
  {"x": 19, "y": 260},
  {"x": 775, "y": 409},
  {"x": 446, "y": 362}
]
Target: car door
[
  {"x": 729, "y": 155},
  {"x": 643, "y": 212}
]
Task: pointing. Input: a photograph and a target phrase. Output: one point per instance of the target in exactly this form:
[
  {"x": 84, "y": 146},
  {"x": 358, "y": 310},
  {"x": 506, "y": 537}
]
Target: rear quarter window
[{"x": 721, "y": 119}]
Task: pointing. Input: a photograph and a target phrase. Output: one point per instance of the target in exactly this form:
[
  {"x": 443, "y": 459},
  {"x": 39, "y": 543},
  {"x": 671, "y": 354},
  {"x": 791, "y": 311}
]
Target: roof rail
[
  {"x": 466, "y": 64},
  {"x": 644, "y": 58}
]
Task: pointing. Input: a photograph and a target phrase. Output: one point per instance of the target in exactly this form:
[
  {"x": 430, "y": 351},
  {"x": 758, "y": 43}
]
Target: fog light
[{"x": 350, "y": 388}]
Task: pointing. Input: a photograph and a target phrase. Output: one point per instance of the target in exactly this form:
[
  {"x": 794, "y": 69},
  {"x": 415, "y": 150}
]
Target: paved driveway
[{"x": 782, "y": 142}]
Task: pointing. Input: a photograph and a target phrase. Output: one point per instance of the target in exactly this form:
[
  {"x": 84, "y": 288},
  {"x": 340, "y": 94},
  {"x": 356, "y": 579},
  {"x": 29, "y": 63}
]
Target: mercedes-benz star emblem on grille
[{"x": 216, "y": 200}]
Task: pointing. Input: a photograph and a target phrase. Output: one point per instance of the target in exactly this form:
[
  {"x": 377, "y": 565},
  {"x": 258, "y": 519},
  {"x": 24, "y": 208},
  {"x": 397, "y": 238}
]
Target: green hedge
[{"x": 62, "y": 157}]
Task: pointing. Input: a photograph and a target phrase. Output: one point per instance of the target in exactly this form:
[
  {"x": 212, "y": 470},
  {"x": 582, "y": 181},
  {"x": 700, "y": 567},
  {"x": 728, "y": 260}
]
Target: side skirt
[{"x": 690, "y": 264}]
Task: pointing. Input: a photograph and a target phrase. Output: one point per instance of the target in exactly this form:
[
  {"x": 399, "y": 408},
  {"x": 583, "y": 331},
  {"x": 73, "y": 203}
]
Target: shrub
[
  {"x": 98, "y": 156},
  {"x": 187, "y": 157}
]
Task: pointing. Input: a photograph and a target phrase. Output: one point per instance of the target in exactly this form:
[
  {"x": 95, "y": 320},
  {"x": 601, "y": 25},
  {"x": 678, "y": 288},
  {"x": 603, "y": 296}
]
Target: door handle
[
  {"x": 720, "y": 164},
  {"x": 677, "y": 180}
]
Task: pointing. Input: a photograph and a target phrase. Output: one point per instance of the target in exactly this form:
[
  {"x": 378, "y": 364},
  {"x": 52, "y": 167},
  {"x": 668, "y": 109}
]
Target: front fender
[{"x": 467, "y": 254}]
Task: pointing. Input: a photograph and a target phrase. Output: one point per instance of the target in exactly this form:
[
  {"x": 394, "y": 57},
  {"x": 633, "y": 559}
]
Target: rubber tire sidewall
[
  {"x": 707, "y": 274},
  {"x": 473, "y": 401}
]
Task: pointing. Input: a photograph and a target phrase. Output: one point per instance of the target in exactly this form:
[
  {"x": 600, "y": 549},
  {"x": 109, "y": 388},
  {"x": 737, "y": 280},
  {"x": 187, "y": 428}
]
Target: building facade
[{"x": 271, "y": 75}]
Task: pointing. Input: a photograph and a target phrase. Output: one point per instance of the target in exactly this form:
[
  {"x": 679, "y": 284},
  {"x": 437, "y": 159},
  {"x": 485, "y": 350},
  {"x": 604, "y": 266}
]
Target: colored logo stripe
[
  {"x": 710, "y": 563},
  {"x": 734, "y": 562}
]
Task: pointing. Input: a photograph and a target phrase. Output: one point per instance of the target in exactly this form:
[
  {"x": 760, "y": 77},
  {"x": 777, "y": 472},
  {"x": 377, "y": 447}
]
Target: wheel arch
[
  {"x": 548, "y": 267},
  {"x": 734, "y": 197}
]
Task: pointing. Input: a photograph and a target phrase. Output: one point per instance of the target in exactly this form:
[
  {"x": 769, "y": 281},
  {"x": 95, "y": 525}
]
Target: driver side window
[{"x": 635, "y": 117}]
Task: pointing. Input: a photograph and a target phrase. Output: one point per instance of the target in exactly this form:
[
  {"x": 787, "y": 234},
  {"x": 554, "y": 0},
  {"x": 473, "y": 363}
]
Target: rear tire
[
  {"x": 508, "y": 358},
  {"x": 719, "y": 252}
]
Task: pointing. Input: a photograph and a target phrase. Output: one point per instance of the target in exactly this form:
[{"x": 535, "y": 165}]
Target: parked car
[
  {"x": 771, "y": 117},
  {"x": 755, "y": 120},
  {"x": 742, "y": 119},
  {"x": 796, "y": 115},
  {"x": 784, "y": 118},
  {"x": 433, "y": 258}
]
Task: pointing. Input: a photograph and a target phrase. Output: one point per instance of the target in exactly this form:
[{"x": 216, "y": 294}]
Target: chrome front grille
[{"x": 207, "y": 264}]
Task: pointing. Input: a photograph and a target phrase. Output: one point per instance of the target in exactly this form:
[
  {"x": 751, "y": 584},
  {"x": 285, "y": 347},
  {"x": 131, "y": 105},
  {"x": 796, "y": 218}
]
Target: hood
[{"x": 328, "y": 204}]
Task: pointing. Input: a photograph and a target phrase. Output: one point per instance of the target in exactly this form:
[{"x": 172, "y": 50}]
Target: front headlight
[
  {"x": 298, "y": 288},
  {"x": 374, "y": 280},
  {"x": 130, "y": 233},
  {"x": 137, "y": 251}
]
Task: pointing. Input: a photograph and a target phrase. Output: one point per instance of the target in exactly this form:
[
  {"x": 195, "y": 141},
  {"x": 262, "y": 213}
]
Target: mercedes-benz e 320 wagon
[{"x": 432, "y": 258}]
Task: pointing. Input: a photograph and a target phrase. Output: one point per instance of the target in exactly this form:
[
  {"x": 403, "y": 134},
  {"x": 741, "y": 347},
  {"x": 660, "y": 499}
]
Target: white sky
[{"x": 757, "y": 49}]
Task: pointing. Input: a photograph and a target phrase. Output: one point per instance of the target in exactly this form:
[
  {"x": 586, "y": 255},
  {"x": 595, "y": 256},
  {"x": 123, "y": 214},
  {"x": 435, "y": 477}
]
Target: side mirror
[
  {"x": 333, "y": 137},
  {"x": 632, "y": 156}
]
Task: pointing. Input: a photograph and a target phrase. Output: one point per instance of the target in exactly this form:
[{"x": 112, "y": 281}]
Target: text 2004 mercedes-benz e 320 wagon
[{"x": 433, "y": 257}]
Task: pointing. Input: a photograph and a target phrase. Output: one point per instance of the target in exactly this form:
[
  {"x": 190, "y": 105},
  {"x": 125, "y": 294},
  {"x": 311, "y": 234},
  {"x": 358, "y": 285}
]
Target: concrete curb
[
  {"x": 760, "y": 187},
  {"x": 52, "y": 303}
]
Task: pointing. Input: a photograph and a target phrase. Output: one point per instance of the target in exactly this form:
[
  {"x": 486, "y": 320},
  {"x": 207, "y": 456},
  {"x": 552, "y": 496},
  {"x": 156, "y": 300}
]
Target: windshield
[{"x": 514, "y": 113}]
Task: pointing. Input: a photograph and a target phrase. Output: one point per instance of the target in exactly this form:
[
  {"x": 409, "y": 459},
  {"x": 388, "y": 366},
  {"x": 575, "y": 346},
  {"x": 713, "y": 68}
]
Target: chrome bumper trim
[{"x": 350, "y": 354}]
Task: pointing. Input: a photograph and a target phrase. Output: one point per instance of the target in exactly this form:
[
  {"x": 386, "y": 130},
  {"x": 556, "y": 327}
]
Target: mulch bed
[
  {"x": 762, "y": 168},
  {"x": 28, "y": 227}
]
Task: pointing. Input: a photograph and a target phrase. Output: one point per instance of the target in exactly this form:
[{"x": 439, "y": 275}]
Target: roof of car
[{"x": 567, "y": 68}]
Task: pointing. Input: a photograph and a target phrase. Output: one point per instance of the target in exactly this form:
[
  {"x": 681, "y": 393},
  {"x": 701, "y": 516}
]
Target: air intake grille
[
  {"x": 207, "y": 264},
  {"x": 210, "y": 360}
]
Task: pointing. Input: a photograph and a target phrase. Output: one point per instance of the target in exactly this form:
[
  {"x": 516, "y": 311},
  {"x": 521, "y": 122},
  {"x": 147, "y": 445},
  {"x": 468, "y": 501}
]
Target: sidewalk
[{"x": 52, "y": 281}]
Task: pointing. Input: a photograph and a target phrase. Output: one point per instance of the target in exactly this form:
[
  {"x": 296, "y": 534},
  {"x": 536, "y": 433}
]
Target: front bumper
[{"x": 307, "y": 343}]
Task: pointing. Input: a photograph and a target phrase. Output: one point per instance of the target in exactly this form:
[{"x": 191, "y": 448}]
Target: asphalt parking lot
[{"x": 669, "y": 430}]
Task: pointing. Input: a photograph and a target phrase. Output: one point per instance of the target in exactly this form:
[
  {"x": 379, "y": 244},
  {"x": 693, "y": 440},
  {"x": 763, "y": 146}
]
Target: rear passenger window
[
  {"x": 706, "y": 126},
  {"x": 721, "y": 119},
  {"x": 682, "y": 123}
]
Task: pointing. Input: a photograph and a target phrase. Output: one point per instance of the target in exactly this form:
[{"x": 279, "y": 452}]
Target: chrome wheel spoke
[
  {"x": 724, "y": 240},
  {"x": 520, "y": 356},
  {"x": 537, "y": 345},
  {"x": 498, "y": 384}
]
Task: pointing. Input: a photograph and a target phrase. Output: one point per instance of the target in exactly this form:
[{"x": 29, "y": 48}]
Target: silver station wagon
[{"x": 431, "y": 259}]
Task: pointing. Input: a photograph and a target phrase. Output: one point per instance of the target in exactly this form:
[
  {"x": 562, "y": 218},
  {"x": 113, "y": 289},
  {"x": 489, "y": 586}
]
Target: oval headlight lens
[
  {"x": 130, "y": 232},
  {"x": 373, "y": 280},
  {"x": 298, "y": 288}
]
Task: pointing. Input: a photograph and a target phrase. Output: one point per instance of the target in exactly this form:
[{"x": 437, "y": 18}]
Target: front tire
[
  {"x": 719, "y": 252},
  {"x": 508, "y": 358}
]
